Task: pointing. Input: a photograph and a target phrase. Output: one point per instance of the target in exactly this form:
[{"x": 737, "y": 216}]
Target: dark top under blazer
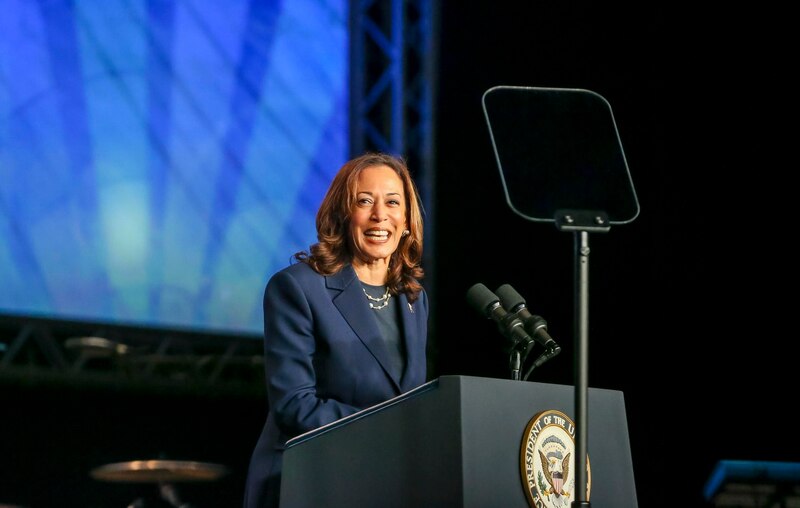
[{"x": 324, "y": 359}]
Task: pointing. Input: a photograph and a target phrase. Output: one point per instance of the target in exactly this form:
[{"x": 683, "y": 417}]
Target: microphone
[
  {"x": 534, "y": 325},
  {"x": 488, "y": 304}
]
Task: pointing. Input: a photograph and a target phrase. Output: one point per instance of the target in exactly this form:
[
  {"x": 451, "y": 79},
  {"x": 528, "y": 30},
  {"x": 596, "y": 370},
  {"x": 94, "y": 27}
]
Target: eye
[
  {"x": 394, "y": 202},
  {"x": 364, "y": 201}
]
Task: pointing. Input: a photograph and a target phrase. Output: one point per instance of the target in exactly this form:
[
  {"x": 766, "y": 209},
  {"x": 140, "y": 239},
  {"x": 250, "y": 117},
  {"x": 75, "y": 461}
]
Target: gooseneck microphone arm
[
  {"x": 515, "y": 364},
  {"x": 551, "y": 349},
  {"x": 535, "y": 325},
  {"x": 544, "y": 357},
  {"x": 488, "y": 304}
]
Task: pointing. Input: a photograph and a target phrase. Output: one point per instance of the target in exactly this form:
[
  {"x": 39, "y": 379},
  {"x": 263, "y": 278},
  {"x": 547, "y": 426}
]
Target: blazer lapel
[
  {"x": 351, "y": 303},
  {"x": 411, "y": 336}
]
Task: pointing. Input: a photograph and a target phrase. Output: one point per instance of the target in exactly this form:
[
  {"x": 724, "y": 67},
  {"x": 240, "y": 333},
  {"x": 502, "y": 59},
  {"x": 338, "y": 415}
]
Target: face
[{"x": 377, "y": 223}]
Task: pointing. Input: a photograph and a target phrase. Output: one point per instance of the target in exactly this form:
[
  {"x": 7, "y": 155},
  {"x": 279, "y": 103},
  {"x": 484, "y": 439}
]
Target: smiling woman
[{"x": 345, "y": 327}]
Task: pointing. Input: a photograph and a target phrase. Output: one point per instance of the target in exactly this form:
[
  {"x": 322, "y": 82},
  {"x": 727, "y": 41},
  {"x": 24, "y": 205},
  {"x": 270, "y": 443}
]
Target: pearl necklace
[{"x": 384, "y": 299}]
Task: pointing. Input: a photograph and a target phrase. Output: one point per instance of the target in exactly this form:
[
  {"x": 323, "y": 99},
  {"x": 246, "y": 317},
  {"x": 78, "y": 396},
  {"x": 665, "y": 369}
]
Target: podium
[{"x": 455, "y": 441}]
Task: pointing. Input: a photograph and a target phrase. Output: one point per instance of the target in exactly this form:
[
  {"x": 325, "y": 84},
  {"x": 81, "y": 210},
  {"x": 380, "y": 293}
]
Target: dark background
[{"x": 690, "y": 305}]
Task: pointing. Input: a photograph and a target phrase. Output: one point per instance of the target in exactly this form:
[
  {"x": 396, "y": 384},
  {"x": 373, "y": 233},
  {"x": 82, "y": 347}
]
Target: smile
[{"x": 377, "y": 234}]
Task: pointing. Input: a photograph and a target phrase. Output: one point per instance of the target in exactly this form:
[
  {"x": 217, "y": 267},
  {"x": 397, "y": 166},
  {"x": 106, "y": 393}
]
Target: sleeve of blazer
[{"x": 289, "y": 347}]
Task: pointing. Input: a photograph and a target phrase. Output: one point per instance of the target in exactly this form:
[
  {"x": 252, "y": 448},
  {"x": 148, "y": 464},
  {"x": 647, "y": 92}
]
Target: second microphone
[{"x": 534, "y": 325}]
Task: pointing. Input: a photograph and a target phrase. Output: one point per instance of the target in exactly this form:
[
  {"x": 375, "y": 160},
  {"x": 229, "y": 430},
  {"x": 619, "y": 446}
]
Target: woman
[{"x": 345, "y": 327}]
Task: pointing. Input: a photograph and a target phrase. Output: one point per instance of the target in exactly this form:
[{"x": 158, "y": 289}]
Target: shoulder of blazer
[{"x": 304, "y": 274}]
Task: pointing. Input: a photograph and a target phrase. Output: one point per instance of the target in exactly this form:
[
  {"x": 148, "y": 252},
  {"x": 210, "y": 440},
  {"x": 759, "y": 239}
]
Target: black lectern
[{"x": 453, "y": 442}]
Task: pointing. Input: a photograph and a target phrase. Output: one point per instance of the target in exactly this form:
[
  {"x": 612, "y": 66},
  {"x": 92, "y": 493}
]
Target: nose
[{"x": 378, "y": 212}]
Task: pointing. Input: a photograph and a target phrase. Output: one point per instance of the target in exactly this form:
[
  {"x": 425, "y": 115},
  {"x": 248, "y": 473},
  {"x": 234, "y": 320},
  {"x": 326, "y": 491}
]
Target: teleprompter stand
[{"x": 561, "y": 161}]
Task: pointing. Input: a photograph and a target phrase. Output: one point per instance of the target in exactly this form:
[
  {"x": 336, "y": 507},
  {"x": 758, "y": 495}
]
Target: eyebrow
[{"x": 387, "y": 194}]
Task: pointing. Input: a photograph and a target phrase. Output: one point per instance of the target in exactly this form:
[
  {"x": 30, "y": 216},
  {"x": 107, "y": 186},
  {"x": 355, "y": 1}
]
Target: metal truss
[
  {"x": 392, "y": 80},
  {"x": 39, "y": 351}
]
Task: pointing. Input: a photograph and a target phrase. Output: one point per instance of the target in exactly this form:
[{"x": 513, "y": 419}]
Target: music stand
[{"x": 561, "y": 161}]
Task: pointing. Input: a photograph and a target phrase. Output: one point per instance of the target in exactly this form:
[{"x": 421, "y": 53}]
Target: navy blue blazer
[{"x": 324, "y": 359}]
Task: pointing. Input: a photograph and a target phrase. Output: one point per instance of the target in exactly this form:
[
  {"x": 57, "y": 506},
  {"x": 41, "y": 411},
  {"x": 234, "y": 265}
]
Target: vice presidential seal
[{"x": 547, "y": 461}]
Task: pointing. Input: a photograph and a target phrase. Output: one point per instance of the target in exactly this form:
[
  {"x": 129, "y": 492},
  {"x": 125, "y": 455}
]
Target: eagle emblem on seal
[
  {"x": 547, "y": 461},
  {"x": 556, "y": 472}
]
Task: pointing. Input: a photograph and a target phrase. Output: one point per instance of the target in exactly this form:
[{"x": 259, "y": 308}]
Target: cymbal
[
  {"x": 96, "y": 345},
  {"x": 159, "y": 471}
]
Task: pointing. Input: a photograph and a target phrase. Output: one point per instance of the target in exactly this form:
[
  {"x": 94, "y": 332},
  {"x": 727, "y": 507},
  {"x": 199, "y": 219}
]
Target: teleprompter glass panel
[{"x": 559, "y": 149}]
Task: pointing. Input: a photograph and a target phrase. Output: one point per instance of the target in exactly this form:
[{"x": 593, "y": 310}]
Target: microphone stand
[
  {"x": 581, "y": 223},
  {"x": 515, "y": 362},
  {"x": 548, "y": 354}
]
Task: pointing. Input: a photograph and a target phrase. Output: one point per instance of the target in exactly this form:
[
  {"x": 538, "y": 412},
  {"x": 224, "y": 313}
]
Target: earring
[{"x": 406, "y": 232}]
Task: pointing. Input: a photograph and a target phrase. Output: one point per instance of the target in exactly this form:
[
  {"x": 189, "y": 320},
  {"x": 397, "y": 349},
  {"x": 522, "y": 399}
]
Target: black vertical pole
[{"x": 581, "y": 367}]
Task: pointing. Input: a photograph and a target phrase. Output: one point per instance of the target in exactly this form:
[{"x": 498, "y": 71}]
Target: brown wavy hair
[{"x": 332, "y": 250}]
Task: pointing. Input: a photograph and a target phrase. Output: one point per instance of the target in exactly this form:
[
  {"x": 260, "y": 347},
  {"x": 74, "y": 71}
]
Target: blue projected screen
[{"x": 160, "y": 159}]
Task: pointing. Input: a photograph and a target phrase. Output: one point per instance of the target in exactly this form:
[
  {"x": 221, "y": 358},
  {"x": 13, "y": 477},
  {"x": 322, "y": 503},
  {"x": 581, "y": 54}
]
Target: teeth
[{"x": 377, "y": 233}]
